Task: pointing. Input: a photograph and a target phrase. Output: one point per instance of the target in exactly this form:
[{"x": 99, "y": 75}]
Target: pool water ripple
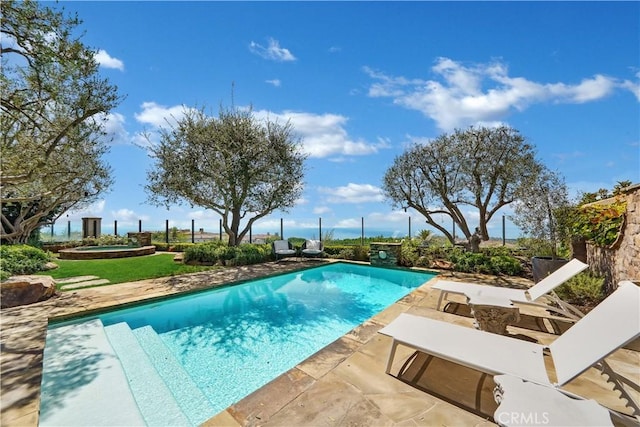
[{"x": 233, "y": 340}]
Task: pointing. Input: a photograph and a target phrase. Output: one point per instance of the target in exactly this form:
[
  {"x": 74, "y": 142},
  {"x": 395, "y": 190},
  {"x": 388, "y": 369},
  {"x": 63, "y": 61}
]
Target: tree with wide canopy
[
  {"x": 53, "y": 105},
  {"x": 234, "y": 164},
  {"x": 479, "y": 169}
]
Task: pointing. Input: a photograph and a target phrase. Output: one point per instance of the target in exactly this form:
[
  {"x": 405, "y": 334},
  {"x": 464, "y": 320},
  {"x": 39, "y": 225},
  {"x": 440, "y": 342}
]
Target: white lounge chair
[
  {"x": 520, "y": 296},
  {"x": 283, "y": 248},
  {"x": 522, "y": 403},
  {"x": 609, "y": 326}
]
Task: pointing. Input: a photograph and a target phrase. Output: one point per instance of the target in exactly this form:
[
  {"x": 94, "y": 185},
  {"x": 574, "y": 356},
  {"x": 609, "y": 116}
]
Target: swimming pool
[{"x": 215, "y": 347}]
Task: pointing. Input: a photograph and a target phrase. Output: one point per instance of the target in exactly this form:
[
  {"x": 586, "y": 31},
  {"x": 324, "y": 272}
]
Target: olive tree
[
  {"x": 542, "y": 209},
  {"x": 53, "y": 106},
  {"x": 234, "y": 164},
  {"x": 478, "y": 168}
]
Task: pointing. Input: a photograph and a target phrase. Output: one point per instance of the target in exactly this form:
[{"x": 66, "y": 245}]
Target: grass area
[{"x": 121, "y": 270}]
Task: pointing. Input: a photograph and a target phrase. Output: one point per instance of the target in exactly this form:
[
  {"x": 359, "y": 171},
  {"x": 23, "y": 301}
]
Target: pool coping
[
  {"x": 23, "y": 328},
  {"x": 314, "y": 392}
]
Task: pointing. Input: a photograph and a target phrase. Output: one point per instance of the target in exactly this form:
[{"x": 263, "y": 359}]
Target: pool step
[
  {"x": 82, "y": 381},
  {"x": 193, "y": 402},
  {"x": 155, "y": 400}
]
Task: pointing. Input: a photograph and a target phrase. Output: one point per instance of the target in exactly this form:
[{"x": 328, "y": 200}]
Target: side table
[{"x": 493, "y": 314}]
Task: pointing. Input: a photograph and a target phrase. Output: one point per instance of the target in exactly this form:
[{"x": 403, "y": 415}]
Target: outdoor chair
[
  {"x": 282, "y": 249},
  {"x": 609, "y": 326},
  {"x": 520, "y": 296},
  {"x": 312, "y": 248}
]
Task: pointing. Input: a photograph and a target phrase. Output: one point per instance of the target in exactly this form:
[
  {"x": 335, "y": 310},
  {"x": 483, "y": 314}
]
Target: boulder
[
  {"x": 23, "y": 290},
  {"x": 442, "y": 264},
  {"x": 50, "y": 266}
]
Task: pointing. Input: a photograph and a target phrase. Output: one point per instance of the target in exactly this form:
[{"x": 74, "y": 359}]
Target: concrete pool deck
[{"x": 343, "y": 384}]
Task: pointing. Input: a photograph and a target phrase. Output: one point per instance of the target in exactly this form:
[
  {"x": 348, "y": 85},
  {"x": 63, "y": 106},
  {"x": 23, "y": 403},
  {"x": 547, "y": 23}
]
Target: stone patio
[{"x": 342, "y": 384}]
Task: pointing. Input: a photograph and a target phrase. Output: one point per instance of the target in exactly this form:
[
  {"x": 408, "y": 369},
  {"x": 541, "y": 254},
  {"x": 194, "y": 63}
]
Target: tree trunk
[{"x": 474, "y": 241}]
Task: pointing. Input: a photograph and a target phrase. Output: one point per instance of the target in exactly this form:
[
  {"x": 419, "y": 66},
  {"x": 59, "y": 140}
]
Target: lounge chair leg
[
  {"x": 392, "y": 354},
  {"x": 440, "y": 300}
]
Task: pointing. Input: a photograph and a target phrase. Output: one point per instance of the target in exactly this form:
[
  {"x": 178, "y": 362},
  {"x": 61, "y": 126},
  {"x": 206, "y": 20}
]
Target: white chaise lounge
[
  {"x": 530, "y": 296},
  {"x": 609, "y": 326}
]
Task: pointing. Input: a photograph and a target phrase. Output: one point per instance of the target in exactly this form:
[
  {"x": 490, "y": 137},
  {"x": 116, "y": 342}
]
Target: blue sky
[{"x": 360, "y": 81}]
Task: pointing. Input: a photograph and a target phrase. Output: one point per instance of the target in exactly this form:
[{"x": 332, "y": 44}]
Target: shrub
[
  {"x": 349, "y": 252},
  {"x": 218, "y": 252},
  {"x": 21, "y": 259},
  {"x": 505, "y": 264},
  {"x": 172, "y": 247},
  {"x": 469, "y": 262},
  {"x": 361, "y": 253},
  {"x": 248, "y": 253},
  {"x": 105, "y": 240},
  {"x": 600, "y": 224},
  {"x": 346, "y": 253},
  {"x": 582, "y": 289},
  {"x": 409, "y": 255},
  {"x": 206, "y": 253}
]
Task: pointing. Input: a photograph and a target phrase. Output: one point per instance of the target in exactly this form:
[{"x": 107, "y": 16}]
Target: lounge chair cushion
[
  {"x": 282, "y": 247},
  {"x": 313, "y": 245},
  {"x": 312, "y": 248}
]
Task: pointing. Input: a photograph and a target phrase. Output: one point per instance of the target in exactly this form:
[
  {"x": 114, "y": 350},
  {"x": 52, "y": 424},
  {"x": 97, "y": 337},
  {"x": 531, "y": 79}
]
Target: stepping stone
[
  {"x": 84, "y": 284},
  {"x": 75, "y": 279}
]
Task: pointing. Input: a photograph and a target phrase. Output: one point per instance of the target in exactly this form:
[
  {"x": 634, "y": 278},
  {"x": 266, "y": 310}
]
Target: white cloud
[
  {"x": 113, "y": 126},
  {"x": 127, "y": 216},
  {"x": 274, "y": 82},
  {"x": 107, "y": 61},
  {"x": 159, "y": 116},
  {"x": 320, "y": 210},
  {"x": 634, "y": 87},
  {"x": 272, "y": 52},
  {"x": 324, "y": 135},
  {"x": 348, "y": 223},
  {"x": 93, "y": 210},
  {"x": 353, "y": 193},
  {"x": 393, "y": 217},
  {"x": 462, "y": 95}
]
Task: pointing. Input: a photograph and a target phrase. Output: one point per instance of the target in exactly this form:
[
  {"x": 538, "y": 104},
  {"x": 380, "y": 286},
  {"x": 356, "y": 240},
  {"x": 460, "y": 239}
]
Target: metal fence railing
[{"x": 205, "y": 230}]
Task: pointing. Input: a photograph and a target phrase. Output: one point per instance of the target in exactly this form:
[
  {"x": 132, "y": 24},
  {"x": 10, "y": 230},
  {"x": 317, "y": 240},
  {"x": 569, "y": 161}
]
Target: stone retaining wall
[
  {"x": 622, "y": 260},
  {"x": 143, "y": 238},
  {"x": 384, "y": 254},
  {"x": 106, "y": 254}
]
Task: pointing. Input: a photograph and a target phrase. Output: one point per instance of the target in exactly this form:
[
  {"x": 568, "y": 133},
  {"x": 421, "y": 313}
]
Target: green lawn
[{"x": 123, "y": 269}]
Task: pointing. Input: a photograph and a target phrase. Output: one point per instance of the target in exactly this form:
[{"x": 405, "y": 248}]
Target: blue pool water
[{"x": 233, "y": 340}]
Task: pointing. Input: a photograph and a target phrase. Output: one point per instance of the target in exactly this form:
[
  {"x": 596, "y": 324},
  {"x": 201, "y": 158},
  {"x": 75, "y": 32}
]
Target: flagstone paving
[
  {"x": 84, "y": 284},
  {"x": 75, "y": 279},
  {"x": 343, "y": 384}
]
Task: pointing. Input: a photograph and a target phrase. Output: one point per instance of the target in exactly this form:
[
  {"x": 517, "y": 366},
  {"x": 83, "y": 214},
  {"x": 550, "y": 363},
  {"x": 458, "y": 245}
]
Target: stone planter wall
[
  {"x": 384, "y": 254},
  {"x": 622, "y": 260},
  {"x": 144, "y": 238}
]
